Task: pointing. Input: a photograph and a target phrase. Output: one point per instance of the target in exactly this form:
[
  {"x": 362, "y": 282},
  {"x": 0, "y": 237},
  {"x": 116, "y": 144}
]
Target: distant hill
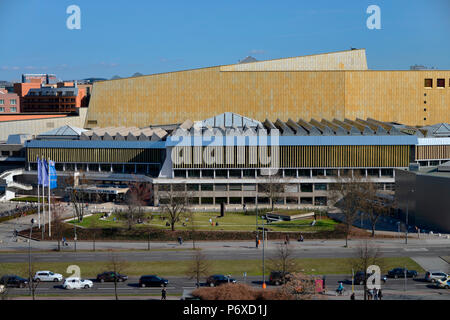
[
  {"x": 137, "y": 74},
  {"x": 94, "y": 79},
  {"x": 116, "y": 77}
]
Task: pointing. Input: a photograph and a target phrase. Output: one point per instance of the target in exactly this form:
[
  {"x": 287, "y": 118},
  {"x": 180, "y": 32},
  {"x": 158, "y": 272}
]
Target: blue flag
[
  {"x": 39, "y": 171},
  {"x": 52, "y": 174},
  {"x": 44, "y": 173}
]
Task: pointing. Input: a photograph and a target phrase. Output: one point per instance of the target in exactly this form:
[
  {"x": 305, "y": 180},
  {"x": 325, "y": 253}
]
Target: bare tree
[
  {"x": 273, "y": 187},
  {"x": 116, "y": 265},
  {"x": 374, "y": 204},
  {"x": 192, "y": 227},
  {"x": 76, "y": 197},
  {"x": 283, "y": 262},
  {"x": 137, "y": 197},
  {"x": 198, "y": 267},
  {"x": 58, "y": 223},
  {"x": 348, "y": 195},
  {"x": 366, "y": 254},
  {"x": 175, "y": 204}
]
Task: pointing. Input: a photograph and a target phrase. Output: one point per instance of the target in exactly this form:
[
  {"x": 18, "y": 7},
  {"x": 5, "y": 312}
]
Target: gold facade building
[{"x": 324, "y": 86}]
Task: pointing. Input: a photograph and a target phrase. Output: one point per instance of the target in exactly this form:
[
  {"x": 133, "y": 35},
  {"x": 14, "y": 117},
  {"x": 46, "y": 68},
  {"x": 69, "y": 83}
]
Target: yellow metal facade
[
  {"x": 294, "y": 156},
  {"x": 202, "y": 93},
  {"x": 95, "y": 155},
  {"x": 432, "y": 152}
]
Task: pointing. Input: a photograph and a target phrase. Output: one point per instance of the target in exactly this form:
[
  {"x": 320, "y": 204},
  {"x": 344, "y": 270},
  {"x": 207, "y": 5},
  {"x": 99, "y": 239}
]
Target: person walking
[
  {"x": 375, "y": 294},
  {"x": 380, "y": 295},
  {"x": 163, "y": 293},
  {"x": 352, "y": 297},
  {"x": 257, "y": 241}
]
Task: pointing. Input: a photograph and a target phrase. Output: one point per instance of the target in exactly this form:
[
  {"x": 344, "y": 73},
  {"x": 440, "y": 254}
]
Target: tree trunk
[{"x": 373, "y": 230}]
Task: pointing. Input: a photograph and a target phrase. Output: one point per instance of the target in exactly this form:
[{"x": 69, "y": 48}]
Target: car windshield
[{"x": 51, "y": 273}]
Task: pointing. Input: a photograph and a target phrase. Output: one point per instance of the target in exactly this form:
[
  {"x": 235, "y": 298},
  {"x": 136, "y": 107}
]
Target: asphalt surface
[
  {"x": 392, "y": 289},
  {"x": 225, "y": 251}
]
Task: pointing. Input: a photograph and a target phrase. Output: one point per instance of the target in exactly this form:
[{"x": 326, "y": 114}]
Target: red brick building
[
  {"x": 67, "y": 97},
  {"x": 9, "y": 102}
]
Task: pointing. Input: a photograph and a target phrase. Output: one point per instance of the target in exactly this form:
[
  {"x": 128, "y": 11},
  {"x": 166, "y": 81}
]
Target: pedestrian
[
  {"x": 352, "y": 297},
  {"x": 369, "y": 295},
  {"x": 257, "y": 241},
  {"x": 375, "y": 294},
  {"x": 380, "y": 295},
  {"x": 287, "y": 239},
  {"x": 163, "y": 293}
]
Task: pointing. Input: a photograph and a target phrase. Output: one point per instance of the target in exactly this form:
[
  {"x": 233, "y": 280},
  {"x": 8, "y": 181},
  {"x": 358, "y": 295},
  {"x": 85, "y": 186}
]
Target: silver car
[
  {"x": 433, "y": 276},
  {"x": 47, "y": 276}
]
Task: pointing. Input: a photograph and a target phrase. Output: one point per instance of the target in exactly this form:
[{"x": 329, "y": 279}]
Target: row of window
[
  {"x": 304, "y": 187},
  {"x": 440, "y": 83},
  {"x": 11, "y": 101}
]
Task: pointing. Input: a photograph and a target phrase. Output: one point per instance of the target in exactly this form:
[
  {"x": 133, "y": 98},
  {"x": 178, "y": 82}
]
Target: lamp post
[
  {"x": 29, "y": 258},
  {"x": 407, "y": 214}
]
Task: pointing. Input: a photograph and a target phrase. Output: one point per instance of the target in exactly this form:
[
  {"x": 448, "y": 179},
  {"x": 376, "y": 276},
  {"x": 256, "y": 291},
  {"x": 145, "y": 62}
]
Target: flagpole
[
  {"x": 43, "y": 201},
  {"x": 49, "y": 214},
  {"x": 38, "y": 200},
  {"x": 39, "y": 209}
]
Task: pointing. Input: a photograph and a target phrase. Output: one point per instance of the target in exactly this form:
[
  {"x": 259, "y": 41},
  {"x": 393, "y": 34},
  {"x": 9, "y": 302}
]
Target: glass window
[
  {"x": 235, "y": 187},
  {"x": 12, "y": 101},
  {"x": 320, "y": 186},
  {"x": 207, "y": 187},
  {"x": 306, "y": 187},
  {"x": 440, "y": 83},
  {"x": 2, "y": 109},
  {"x": 13, "y": 109},
  {"x": 428, "y": 83},
  {"x": 221, "y": 187},
  {"x": 2, "y": 101}
]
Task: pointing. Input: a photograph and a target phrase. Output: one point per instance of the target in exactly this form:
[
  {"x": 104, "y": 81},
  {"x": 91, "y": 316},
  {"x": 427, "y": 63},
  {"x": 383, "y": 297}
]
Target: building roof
[
  {"x": 17, "y": 117},
  {"x": 66, "y": 130}
]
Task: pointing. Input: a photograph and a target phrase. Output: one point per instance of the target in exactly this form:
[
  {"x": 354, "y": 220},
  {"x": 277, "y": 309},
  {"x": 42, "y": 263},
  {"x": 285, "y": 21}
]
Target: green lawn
[
  {"x": 178, "y": 268},
  {"x": 230, "y": 222}
]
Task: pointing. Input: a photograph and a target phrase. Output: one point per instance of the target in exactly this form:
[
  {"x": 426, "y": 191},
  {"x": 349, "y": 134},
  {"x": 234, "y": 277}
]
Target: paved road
[
  {"x": 219, "y": 250},
  {"x": 393, "y": 289}
]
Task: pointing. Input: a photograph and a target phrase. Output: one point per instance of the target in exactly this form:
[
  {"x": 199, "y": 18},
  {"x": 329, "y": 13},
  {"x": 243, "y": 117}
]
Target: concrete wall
[
  {"x": 429, "y": 205},
  {"x": 37, "y": 126}
]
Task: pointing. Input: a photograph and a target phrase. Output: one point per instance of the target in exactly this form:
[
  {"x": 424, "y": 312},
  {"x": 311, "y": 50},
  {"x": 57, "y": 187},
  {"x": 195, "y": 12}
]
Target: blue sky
[{"x": 124, "y": 37}]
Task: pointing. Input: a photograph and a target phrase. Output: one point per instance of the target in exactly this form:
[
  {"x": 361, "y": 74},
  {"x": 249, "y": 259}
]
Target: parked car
[
  {"x": 77, "y": 283},
  {"x": 400, "y": 273},
  {"x": 11, "y": 280},
  {"x": 433, "y": 276},
  {"x": 276, "y": 277},
  {"x": 110, "y": 276},
  {"x": 443, "y": 282},
  {"x": 218, "y": 279},
  {"x": 152, "y": 281},
  {"x": 359, "y": 278},
  {"x": 47, "y": 276}
]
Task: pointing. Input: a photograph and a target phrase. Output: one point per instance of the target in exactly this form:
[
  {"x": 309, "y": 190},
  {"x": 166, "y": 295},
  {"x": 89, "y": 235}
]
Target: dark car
[
  {"x": 110, "y": 276},
  {"x": 11, "y": 280},
  {"x": 400, "y": 273},
  {"x": 218, "y": 279},
  {"x": 359, "y": 278},
  {"x": 277, "y": 278},
  {"x": 152, "y": 281}
]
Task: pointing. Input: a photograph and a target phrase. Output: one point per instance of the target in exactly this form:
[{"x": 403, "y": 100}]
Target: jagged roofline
[{"x": 226, "y": 65}]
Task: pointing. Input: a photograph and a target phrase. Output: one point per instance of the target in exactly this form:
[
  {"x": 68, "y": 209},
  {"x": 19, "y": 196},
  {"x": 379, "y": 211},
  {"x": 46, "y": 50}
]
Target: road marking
[{"x": 415, "y": 249}]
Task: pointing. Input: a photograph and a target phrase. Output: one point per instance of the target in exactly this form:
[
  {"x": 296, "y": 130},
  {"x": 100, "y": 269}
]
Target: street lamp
[
  {"x": 29, "y": 256},
  {"x": 407, "y": 214}
]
